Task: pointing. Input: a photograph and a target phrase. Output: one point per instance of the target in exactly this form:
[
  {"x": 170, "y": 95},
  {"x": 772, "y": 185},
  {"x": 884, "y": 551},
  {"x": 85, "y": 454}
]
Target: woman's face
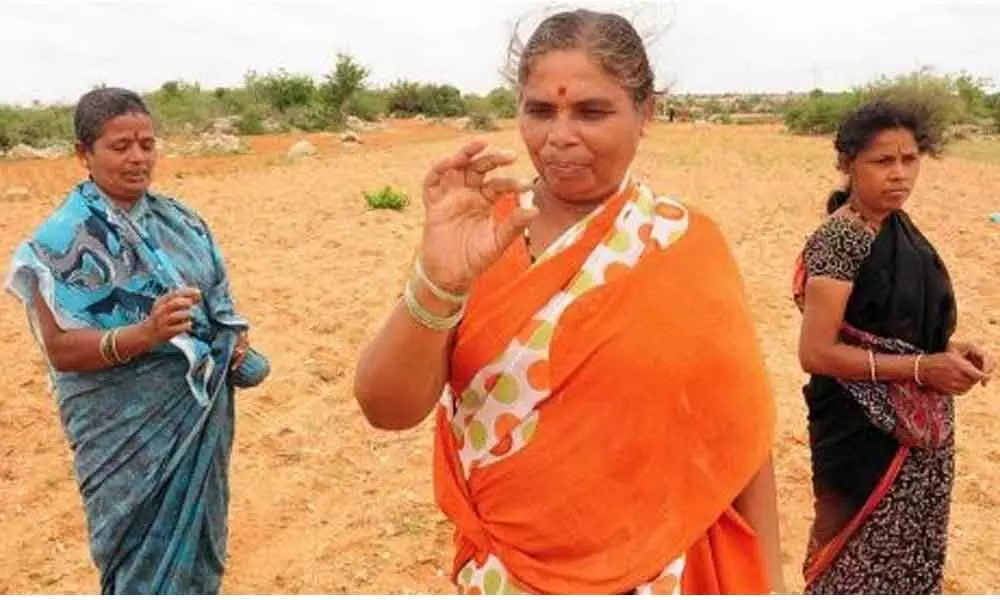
[
  {"x": 884, "y": 173},
  {"x": 121, "y": 160},
  {"x": 580, "y": 126}
]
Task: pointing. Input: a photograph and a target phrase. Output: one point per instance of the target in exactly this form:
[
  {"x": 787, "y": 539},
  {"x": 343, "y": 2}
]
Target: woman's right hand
[
  {"x": 171, "y": 315},
  {"x": 949, "y": 372},
  {"x": 462, "y": 236}
]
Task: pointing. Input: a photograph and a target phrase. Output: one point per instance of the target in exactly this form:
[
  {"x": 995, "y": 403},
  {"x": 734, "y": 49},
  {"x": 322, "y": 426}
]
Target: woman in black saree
[{"x": 878, "y": 316}]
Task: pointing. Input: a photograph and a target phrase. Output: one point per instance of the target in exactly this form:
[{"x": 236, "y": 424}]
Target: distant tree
[
  {"x": 281, "y": 89},
  {"x": 405, "y": 98},
  {"x": 441, "y": 101},
  {"x": 972, "y": 91},
  {"x": 347, "y": 79},
  {"x": 503, "y": 102}
]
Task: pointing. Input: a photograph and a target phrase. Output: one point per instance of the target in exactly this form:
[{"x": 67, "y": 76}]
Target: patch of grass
[
  {"x": 978, "y": 149},
  {"x": 386, "y": 198}
]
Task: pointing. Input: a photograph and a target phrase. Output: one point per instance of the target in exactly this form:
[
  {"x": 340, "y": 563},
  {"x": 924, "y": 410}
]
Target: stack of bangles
[
  {"x": 109, "y": 348},
  {"x": 421, "y": 314}
]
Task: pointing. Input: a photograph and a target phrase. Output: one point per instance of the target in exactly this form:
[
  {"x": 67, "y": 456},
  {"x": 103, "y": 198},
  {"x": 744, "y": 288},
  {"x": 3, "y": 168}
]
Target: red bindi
[{"x": 562, "y": 90}]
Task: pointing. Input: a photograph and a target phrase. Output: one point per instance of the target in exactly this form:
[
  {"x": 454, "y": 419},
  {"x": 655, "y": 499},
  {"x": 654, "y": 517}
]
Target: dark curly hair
[{"x": 859, "y": 127}]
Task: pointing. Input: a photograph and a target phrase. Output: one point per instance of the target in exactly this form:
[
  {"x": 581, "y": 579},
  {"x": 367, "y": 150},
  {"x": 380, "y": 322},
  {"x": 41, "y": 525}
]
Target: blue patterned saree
[{"x": 151, "y": 439}]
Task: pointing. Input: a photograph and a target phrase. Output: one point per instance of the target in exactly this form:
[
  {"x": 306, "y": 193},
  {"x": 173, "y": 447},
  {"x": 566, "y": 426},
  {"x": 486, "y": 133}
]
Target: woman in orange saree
[{"x": 606, "y": 420}]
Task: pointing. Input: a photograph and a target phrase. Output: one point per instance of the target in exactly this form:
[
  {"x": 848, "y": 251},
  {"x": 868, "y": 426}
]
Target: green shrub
[
  {"x": 408, "y": 98},
  {"x": 251, "y": 120},
  {"x": 503, "y": 101},
  {"x": 404, "y": 98},
  {"x": 482, "y": 122},
  {"x": 314, "y": 117},
  {"x": 282, "y": 90},
  {"x": 369, "y": 105},
  {"x": 819, "y": 113},
  {"x": 178, "y": 103},
  {"x": 340, "y": 86},
  {"x": 442, "y": 101},
  {"x": 36, "y": 126},
  {"x": 993, "y": 111},
  {"x": 935, "y": 97},
  {"x": 386, "y": 198},
  {"x": 943, "y": 100}
]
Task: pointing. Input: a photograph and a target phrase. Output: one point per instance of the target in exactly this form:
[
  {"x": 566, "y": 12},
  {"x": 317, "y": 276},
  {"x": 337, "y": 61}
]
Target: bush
[
  {"x": 482, "y": 122},
  {"x": 177, "y": 103},
  {"x": 341, "y": 86},
  {"x": 819, "y": 113},
  {"x": 407, "y": 98},
  {"x": 282, "y": 90},
  {"x": 503, "y": 102},
  {"x": 36, "y": 126},
  {"x": 386, "y": 198},
  {"x": 993, "y": 110},
  {"x": 934, "y": 97},
  {"x": 251, "y": 120},
  {"x": 369, "y": 105},
  {"x": 317, "y": 116},
  {"x": 939, "y": 98},
  {"x": 441, "y": 101}
]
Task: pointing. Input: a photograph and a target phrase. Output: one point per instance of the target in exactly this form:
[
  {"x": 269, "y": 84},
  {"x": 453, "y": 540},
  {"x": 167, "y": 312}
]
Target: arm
[
  {"x": 403, "y": 370},
  {"x": 820, "y": 350},
  {"x": 822, "y": 353},
  {"x": 757, "y": 504},
  {"x": 79, "y": 350}
]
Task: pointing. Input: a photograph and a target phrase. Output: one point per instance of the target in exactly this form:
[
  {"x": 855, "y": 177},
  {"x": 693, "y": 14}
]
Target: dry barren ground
[{"x": 324, "y": 504}]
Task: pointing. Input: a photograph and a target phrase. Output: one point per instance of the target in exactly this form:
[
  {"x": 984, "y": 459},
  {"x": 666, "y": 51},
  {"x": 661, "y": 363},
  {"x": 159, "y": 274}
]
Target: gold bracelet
[
  {"x": 916, "y": 370},
  {"x": 871, "y": 365},
  {"x": 426, "y": 318},
  {"x": 105, "y": 348},
  {"x": 440, "y": 294},
  {"x": 114, "y": 347}
]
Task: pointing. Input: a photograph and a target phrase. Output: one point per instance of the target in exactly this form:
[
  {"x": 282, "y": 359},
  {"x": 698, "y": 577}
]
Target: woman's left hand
[
  {"x": 977, "y": 356},
  {"x": 241, "y": 351}
]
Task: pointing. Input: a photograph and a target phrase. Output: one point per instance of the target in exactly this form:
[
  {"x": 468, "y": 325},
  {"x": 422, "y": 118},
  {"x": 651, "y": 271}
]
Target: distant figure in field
[
  {"x": 606, "y": 422},
  {"x": 878, "y": 316},
  {"x": 127, "y": 294},
  {"x": 671, "y": 114}
]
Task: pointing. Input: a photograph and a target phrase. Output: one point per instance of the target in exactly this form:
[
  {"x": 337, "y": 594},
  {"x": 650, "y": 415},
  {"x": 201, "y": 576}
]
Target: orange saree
[{"x": 607, "y": 404}]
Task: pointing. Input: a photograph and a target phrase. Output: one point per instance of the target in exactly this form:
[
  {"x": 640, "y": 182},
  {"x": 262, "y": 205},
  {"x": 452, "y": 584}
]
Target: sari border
[{"x": 821, "y": 560}]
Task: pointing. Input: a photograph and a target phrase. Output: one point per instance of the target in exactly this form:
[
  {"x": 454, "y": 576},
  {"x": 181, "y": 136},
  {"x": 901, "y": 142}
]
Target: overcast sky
[{"x": 53, "y": 50}]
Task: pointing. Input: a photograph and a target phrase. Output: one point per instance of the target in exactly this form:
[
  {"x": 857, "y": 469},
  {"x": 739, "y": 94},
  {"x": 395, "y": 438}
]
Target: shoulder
[
  {"x": 696, "y": 232},
  {"x": 837, "y": 247},
  {"x": 697, "y": 252},
  {"x": 174, "y": 208}
]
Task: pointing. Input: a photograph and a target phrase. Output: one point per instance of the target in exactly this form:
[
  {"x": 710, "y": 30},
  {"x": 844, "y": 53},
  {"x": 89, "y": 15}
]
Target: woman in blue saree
[{"x": 127, "y": 294}]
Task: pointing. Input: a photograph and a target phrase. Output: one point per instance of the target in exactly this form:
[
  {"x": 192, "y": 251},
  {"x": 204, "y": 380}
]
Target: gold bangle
[
  {"x": 105, "y": 348},
  {"x": 916, "y": 370},
  {"x": 426, "y": 318},
  {"x": 871, "y": 365},
  {"x": 114, "y": 347}
]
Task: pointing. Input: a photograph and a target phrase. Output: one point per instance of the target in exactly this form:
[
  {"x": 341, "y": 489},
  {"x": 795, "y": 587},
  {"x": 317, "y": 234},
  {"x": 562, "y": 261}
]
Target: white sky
[{"x": 54, "y": 50}]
